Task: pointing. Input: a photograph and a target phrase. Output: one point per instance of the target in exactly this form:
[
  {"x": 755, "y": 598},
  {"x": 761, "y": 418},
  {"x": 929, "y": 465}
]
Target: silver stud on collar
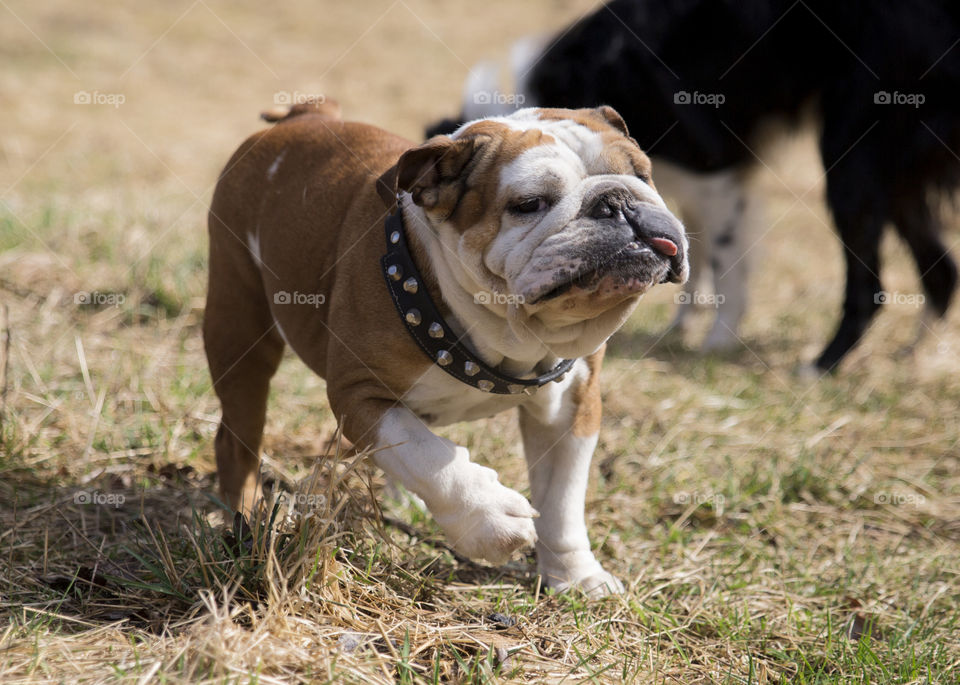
[
  {"x": 435, "y": 330},
  {"x": 486, "y": 386},
  {"x": 413, "y": 317},
  {"x": 515, "y": 388},
  {"x": 395, "y": 237},
  {"x": 394, "y": 272},
  {"x": 471, "y": 369},
  {"x": 444, "y": 358},
  {"x": 410, "y": 285}
]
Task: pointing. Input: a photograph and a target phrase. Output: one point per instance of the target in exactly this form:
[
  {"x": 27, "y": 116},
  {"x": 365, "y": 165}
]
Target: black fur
[{"x": 886, "y": 163}]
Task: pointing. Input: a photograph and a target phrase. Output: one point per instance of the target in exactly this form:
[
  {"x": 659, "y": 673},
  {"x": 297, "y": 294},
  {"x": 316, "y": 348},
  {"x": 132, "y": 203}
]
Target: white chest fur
[{"x": 439, "y": 399}]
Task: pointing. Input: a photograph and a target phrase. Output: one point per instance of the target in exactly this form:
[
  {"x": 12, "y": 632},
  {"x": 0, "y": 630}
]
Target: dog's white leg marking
[
  {"x": 715, "y": 209},
  {"x": 558, "y": 461},
  {"x": 684, "y": 192},
  {"x": 729, "y": 264},
  {"x": 481, "y": 518},
  {"x": 698, "y": 256}
]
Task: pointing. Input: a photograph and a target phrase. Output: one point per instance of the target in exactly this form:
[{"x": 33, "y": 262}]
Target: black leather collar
[{"x": 435, "y": 337}]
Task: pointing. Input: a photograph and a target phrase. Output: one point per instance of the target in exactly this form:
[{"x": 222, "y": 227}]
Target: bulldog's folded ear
[
  {"x": 612, "y": 117},
  {"x": 432, "y": 173}
]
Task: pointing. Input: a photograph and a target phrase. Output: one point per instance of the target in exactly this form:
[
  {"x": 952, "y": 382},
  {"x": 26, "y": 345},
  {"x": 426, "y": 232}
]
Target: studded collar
[{"x": 424, "y": 323}]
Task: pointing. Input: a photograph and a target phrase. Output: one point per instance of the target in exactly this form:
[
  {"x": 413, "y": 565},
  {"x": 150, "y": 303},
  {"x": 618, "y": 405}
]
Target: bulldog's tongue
[{"x": 664, "y": 246}]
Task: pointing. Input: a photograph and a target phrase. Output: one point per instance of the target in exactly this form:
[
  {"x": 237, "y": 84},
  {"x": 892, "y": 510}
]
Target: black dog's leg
[
  {"x": 919, "y": 228},
  {"x": 860, "y": 230}
]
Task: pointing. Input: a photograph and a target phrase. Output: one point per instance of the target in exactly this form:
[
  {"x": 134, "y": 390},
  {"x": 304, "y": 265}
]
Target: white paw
[
  {"x": 581, "y": 572},
  {"x": 489, "y": 521},
  {"x": 720, "y": 339},
  {"x": 599, "y": 585},
  {"x": 809, "y": 372},
  {"x": 594, "y": 585}
]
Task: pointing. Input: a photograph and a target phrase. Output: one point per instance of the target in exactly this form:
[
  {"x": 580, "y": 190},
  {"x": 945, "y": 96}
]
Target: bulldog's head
[{"x": 553, "y": 212}]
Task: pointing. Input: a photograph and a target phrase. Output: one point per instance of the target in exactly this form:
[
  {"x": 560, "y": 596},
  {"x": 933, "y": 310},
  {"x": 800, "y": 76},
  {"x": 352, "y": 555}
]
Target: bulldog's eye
[{"x": 529, "y": 206}]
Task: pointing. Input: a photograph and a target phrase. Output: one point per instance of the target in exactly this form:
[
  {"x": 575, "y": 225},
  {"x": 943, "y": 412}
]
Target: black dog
[{"x": 697, "y": 81}]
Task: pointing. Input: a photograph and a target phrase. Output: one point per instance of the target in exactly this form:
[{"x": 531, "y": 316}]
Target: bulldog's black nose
[{"x": 659, "y": 229}]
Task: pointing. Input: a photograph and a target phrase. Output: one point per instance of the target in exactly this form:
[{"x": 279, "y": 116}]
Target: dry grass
[{"x": 768, "y": 529}]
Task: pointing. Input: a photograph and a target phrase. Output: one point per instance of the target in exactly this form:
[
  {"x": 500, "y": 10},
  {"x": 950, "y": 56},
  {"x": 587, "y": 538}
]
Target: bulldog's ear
[
  {"x": 432, "y": 172},
  {"x": 387, "y": 188},
  {"x": 612, "y": 117}
]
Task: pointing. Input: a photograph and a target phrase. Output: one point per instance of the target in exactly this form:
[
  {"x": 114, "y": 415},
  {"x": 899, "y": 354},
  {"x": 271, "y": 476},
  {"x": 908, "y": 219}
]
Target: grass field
[{"x": 769, "y": 529}]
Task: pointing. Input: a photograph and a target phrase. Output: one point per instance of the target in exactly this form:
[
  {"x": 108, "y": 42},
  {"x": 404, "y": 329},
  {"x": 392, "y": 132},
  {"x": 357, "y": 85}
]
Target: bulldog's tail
[{"x": 325, "y": 107}]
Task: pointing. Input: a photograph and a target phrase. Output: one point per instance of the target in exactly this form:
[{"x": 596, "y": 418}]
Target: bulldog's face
[{"x": 553, "y": 208}]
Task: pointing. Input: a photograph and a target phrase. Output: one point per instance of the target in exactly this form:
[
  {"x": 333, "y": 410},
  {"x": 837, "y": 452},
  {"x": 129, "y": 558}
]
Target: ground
[{"x": 768, "y": 528}]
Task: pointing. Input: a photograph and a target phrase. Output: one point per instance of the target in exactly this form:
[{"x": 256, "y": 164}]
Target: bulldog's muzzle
[
  {"x": 660, "y": 229},
  {"x": 650, "y": 224}
]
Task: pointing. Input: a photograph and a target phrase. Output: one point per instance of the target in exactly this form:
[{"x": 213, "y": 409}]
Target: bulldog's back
[{"x": 300, "y": 200}]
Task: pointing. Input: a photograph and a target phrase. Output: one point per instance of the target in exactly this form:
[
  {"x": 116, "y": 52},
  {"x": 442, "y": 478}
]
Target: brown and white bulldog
[{"x": 534, "y": 235}]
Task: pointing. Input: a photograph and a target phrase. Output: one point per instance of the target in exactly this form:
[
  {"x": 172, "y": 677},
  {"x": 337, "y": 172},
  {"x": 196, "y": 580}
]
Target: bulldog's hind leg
[
  {"x": 558, "y": 441},
  {"x": 243, "y": 349}
]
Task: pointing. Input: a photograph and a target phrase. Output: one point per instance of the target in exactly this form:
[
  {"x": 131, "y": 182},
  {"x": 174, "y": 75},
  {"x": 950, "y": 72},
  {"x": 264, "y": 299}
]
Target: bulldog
[{"x": 472, "y": 274}]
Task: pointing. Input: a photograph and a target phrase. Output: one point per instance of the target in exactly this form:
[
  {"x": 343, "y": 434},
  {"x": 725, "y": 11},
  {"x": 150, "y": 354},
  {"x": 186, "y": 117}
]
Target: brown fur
[
  {"x": 621, "y": 153},
  {"x": 589, "y": 411},
  {"x": 318, "y": 217}
]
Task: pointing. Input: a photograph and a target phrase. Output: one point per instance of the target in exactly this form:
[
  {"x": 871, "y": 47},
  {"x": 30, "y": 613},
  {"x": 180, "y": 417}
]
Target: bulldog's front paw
[
  {"x": 577, "y": 571},
  {"x": 491, "y": 522},
  {"x": 596, "y": 585}
]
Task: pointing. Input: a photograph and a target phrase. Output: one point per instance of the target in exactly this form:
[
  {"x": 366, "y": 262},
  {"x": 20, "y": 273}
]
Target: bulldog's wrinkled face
[{"x": 555, "y": 208}]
